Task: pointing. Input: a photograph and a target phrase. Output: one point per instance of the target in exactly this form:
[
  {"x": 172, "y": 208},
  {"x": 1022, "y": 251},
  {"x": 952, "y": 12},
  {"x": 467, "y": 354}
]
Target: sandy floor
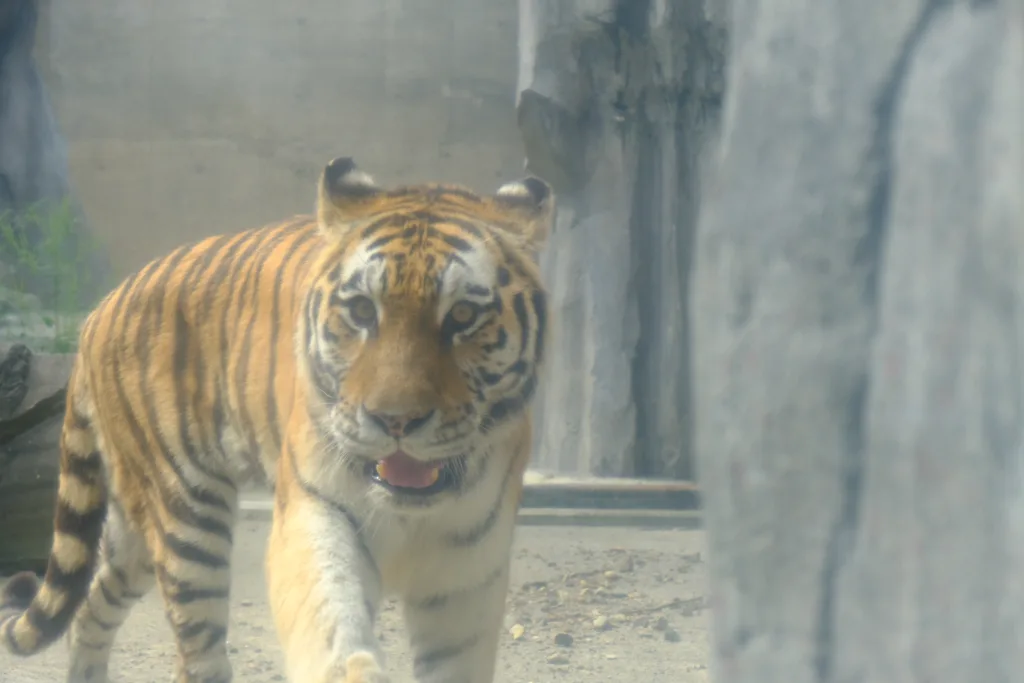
[{"x": 593, "y": 604}]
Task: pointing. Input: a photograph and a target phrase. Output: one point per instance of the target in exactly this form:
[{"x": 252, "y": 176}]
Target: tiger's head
[{"x": 424, "y": 329}]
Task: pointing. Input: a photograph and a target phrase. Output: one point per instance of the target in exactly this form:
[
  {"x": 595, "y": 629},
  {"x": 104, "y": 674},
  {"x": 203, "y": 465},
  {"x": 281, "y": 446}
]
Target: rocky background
[{"x": 617, "y": 103}]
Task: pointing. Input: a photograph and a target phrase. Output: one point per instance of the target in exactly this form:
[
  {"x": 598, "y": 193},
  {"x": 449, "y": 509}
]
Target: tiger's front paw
[{"x": 363, "y": 667}]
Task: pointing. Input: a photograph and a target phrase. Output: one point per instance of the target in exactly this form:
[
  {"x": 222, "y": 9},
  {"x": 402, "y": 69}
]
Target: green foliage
[{"x": 50, "y": 275}]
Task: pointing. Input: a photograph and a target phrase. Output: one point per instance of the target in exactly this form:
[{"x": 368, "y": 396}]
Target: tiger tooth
[
  {"x": 382, "y": 471},
  {"x": 435, "y": 474}
]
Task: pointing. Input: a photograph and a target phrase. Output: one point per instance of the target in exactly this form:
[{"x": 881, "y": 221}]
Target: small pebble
[
  {"x": 517, "y": 631},
  {"x": 563, "y": 639},
  {"x": 661, "y": 624},
  {"x": 558, "y": 659},
  {"x": 601, "y": 622},
  {"x": 672, "y": 636}
]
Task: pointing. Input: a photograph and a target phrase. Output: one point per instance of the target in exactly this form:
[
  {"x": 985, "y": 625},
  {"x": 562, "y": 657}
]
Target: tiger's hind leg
[
  {"x": 123, "y": 577},
  {"x": 192, "y": 564}
]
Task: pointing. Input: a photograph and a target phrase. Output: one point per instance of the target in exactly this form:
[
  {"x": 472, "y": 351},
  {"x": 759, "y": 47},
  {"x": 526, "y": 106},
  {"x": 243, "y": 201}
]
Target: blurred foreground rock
[{"x": 858, "y": 312}]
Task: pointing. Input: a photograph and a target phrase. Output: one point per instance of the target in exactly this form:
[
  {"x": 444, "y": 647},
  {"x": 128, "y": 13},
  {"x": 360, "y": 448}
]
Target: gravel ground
[{"x": 588, "y": 604}]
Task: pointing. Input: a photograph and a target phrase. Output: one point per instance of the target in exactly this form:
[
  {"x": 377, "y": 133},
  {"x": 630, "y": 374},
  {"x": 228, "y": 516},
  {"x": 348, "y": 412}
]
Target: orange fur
[{"x": 244, "y": 355}]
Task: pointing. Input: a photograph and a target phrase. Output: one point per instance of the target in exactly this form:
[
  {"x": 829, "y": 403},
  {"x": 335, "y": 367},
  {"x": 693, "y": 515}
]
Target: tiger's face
[{"x": 425, "y": 331}]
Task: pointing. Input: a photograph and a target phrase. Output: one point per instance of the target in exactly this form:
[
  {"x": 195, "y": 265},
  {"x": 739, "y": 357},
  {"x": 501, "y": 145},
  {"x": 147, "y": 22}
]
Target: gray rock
[{"x": 858, "y": 308}]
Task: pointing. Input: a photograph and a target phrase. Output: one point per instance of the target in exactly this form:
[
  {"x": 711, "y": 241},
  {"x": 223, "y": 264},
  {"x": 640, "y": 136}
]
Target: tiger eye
[
  {"x": 463, "y": 313},
  {"x": 362, "y": 311}
]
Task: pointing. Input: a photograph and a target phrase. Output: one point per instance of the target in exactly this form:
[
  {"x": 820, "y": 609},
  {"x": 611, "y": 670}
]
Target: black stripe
[
  {"x": 85, "y": 526},
  {"x": 187, "y": 516},
  {"x": 442, "y": 600},
  {"x": 216, "y": 636},
  {"x": 510, "y": 256},
  {"x": 381, "y": 241},
  {"x": 457, "y": 243},
  {"x": 275, "y": 328},
  {"x": 108, "y": 595},
  {"x": 234, "y": 263},
  {"x": 354, "y": 283},
  {"x": 79, "y": 421},
  {"x": 245, "y": 304},
  {"x": 326, "y": 381},
  {"x": 119, "y": 574},
  {"x": 112, "y": 303},
  {"x": 499, "y": 343},
  {"x": 375, "y": 227},
  {"x": 127, "y": 412},
  {"x": 221, "y": 247},
  {"x": 191, "y": 629},
  {"x": 224, "y": 274},
  {"x": 104, "y": 625},
  {"x": 142, "y": 351},
  {"x": 519, "y": 306},
  {"x": 74, "y": 585},
  {"x": 253, "y": 279},
  {"x": 465, "y": 225},
  {"x": 428, "y": 662},
  {"x": 180, "y": 362},
  {"x": 184, "y": 592},
  {"x": 512, "y": 405},
  {"x": 215, "y": 633},
  {"x": 540, "y": 310},
  {"x": 200, "y": 304},
  {"x": 186, "y": 550},
  {"x": 490, "y": 378},
  {"x": 353, "y": 520},
  {"x": 454, "y": 258},
  {"x": 88, "y": 469},
  {"x": 186, "y": 363},
  {"x": 477, "y": 533}
]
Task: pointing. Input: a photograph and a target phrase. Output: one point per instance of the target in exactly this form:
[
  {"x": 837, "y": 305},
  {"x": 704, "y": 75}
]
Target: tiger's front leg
[
  {"x": 324, "y": 592},
  {"x": 454, "y": 636}
]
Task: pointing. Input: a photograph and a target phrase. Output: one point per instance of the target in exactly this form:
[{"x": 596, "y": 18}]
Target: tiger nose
[{"x": 398, "y": 425}]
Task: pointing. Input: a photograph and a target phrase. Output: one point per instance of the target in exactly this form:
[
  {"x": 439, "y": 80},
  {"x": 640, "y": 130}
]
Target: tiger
[{"x": 376, "y": 361}]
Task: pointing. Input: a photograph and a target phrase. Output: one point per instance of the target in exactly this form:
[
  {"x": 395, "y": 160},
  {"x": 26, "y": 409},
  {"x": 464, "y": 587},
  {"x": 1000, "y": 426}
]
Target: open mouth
[{"x": 402, "y": 473}]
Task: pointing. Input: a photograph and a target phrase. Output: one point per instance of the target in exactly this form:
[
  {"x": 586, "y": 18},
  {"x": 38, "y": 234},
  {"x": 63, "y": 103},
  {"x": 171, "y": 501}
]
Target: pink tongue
[{"x": 400, "y": 469}]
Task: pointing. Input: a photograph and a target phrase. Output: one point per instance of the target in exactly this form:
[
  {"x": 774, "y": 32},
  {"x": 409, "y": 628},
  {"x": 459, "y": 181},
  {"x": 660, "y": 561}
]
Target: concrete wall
[{"x": 187, "y": 118}]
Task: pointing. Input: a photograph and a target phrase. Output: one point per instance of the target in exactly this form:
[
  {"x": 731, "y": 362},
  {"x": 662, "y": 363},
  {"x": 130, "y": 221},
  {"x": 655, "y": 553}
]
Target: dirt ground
[{"x": 604, "y": 604}]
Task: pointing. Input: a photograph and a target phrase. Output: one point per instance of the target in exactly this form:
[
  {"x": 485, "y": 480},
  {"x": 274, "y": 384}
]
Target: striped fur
[{"x": 306, "y": 353}]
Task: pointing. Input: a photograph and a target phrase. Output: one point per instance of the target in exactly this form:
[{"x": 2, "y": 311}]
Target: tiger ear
[
  {"x": 530, "y": 205},
  {"x": 345, "y": 194}
]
